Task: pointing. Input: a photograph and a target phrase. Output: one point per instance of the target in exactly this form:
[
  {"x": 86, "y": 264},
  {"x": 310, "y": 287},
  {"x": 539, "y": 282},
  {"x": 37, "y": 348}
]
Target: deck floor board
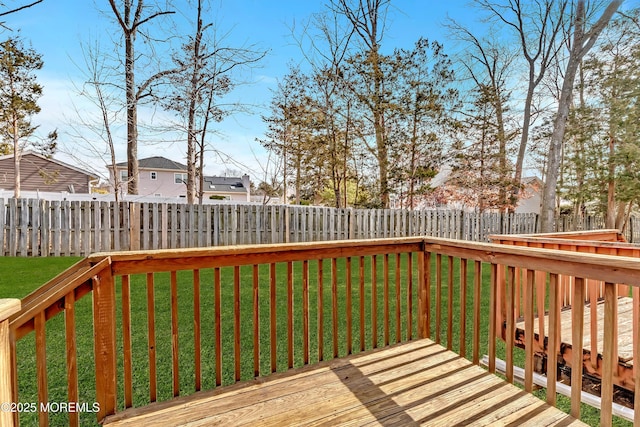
[
  {"x": 625, "y": 328},
  {"x": 414, "y": 383}
]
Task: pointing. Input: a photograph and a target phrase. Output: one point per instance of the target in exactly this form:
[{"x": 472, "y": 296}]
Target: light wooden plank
[{"x": 407, "y": 384}]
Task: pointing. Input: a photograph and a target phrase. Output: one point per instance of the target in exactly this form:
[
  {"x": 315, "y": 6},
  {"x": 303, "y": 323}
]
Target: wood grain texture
[{"x": 414, "y": 383}]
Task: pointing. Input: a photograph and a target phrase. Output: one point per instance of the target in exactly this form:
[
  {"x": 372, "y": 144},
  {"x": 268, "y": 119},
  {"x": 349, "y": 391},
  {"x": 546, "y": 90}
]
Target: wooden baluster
[
  {"x": 236, "y": 321},
  {"x": 305, "y": 312},
  {"x": 151, "y": 337},
  {"x": 610, "y": 352},
  {"x": 385, "y": 297},
  {"x": 398, "y": 300},
  {"x": 72, "y": 362},
  {"x": 477, "y": 292},
  {"x": 349, "y": 311},
  {"x": 126, "y": 341},
  {"x": 256, "y": 321},
  {"x": 493, "y": 309},
  {"x": 41, "y": 368},
  {"x": 409, "y": 296},
  {"x": 463, "y": 308},
  {"x": 553, "y": 348},
  {"x": 290, "y": 314},
  {"x": 593, "y": 326},
  {"x": 197, "y": 337},
  {"x": 334, "y": 305},
  {"x": 636, "y": 353},
  {"x": 8, "y": 307},
  {"x": 541, "y": 291},
  {"x": 510, "y": 327},
  {"x": 217, "y": 309},
  {"x": 577, "y": 336},
  {"x": 528, "y": 329},
  {"x": 424, "y": 259},
  {"x": 438, "y": 296},
  {"x": 374, "y": 301},
  {"x": 175, "y": 349},
  {"x": 449, "y": 302},
  {"x": 320, "y": 312},
  {"x": 361, "y": 282}
]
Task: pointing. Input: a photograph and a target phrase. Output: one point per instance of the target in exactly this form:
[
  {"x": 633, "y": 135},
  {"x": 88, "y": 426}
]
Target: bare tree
[
  {"x": 131, "y": 15},
  {"x": 538, "y": 26},
  {"x": 325, "y": 42},
  {"x": 14, "y": 9},
  {"x": 206, "y": 64},
  {"x": 583, "y": 41},
  {"x": 367, "y": 17},
  {"x": 489, "y": 65},
  {"x": 92, "y": 129}
]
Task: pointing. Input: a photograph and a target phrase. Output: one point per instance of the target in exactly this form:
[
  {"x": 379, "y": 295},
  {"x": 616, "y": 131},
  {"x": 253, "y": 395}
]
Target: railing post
[
  {"x": 104, "y": 314},
  {"x": 7, "y": 308}
]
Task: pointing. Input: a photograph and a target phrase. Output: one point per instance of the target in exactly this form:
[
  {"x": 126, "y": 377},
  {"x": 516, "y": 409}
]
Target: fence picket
[{"x": 54, "y": 228}]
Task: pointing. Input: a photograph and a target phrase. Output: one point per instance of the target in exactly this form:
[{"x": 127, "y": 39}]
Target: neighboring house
[
  {"x": 227, "y": 188},
  {"x": 444, "y": 194},
  {"x": 158, "y": 176},
  {"x": 162, "y": 177},
  {"x": 531, "y": 195},
  {"x": 39, "y": 173}
]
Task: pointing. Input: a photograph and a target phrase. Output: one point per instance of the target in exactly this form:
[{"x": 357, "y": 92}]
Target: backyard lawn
[{"x": 19, "y": 276}]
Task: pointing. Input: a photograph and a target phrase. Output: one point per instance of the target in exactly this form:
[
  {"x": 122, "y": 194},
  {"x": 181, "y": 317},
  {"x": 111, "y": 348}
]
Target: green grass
[{"x": 19, "y": 276}]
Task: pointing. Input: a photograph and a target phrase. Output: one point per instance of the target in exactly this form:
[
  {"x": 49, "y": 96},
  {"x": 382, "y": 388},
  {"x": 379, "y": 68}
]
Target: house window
[
  {"x": 123, "y": 176},
  {"x": 154, "y": 176},
  {"x": 180, "y": 178}
]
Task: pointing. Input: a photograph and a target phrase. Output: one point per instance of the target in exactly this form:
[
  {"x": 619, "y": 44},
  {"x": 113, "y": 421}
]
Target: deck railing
[
  {"x": 172, "y": 322},
  {"x": 608, "y": 242}
]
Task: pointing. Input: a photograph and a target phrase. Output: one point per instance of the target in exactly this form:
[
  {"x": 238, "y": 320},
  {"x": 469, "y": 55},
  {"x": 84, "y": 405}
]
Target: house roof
[
  {"x": 157, "y": 162},
  {"x": 52, "y": 160},
  {"x": 224, "y": 184}
]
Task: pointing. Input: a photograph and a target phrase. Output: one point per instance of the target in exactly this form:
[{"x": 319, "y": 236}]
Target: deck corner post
[
  {"x": 104, "y": 314},
  {"x": 7, "y": 308}
]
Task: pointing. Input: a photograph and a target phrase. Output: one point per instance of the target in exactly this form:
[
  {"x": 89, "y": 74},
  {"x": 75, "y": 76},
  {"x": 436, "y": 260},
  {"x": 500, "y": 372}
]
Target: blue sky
[{"x": 56, "y": 28}]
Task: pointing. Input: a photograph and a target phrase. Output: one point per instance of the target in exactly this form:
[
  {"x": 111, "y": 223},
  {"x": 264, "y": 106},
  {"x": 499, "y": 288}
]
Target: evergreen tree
[{"x": 19, "y": 93}]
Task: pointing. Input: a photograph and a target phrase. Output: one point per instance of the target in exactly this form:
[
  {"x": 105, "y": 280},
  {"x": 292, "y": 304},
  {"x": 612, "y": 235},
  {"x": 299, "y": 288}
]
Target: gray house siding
[{"x": 41, "y": 174}]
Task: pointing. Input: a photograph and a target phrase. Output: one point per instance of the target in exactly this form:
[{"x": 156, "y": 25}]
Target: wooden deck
[
  {"x": 592, "y": 362},
  {"x": 418, "y": 382},
  {"x": 625, "y": 328}
]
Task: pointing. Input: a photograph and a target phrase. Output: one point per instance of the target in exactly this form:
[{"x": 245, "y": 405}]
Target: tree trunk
[
  {"x": 582, "y": 43},
  {"x": 132, "y": 116},
  {"x": 16, "y": 159}
]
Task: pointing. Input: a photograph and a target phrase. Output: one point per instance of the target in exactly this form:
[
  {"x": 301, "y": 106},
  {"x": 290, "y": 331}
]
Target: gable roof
[
  {"x": 52, "y": 160},
  {"x": 224, "y": 184},
  {"x": 157, "y": 162}
]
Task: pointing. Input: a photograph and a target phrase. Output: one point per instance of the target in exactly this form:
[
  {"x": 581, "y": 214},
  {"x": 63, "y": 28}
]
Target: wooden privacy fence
[{"x": 30, "y": 227}]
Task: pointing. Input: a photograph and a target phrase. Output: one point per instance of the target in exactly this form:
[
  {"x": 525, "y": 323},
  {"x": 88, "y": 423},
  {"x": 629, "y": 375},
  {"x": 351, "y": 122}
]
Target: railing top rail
[
  {"x": 221, "y": 256},
  {"x": 608, "y": 268},
  {"x": 49, "y": 294},
  {"x": 602, "y": 238}
]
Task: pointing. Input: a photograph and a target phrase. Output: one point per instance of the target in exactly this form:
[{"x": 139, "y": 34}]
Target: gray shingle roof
[
  {"x": 157, "y": 162},
  {"x": 224, "y": 184}
]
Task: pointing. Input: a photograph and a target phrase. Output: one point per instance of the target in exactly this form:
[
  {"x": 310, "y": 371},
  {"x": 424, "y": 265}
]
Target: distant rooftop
[
  {"x": 157, "y": 162},
  {"x": 225, "y": 184}
]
